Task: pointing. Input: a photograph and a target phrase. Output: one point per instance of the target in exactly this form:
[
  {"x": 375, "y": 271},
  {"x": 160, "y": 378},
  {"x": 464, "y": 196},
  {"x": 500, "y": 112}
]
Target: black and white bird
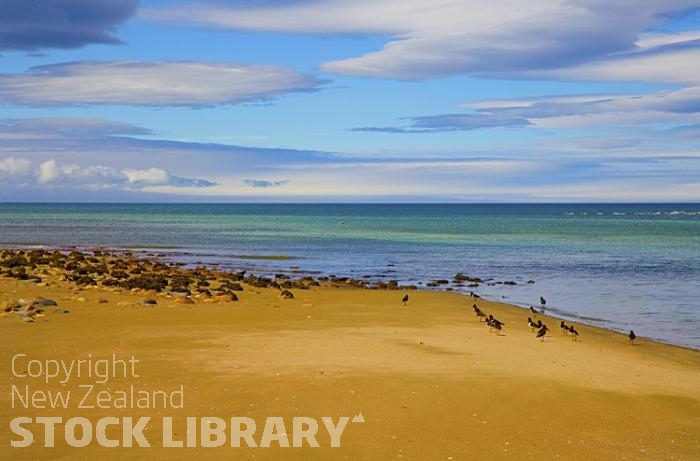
[
  {"x": 404, "y": 300},
  {"x": 533, "y": 311},
  {"x": 532, "y": 324},
  {"x": 494, "y": 324},
  {"x": 543, "y": 302},
  {"x": 632, "y": 336},
  {"x": 542, "y": 331},
  {"x": 564, "y": 328},
  {"x": 478, "y": 312},
  {"x": 573, "y": 333}
]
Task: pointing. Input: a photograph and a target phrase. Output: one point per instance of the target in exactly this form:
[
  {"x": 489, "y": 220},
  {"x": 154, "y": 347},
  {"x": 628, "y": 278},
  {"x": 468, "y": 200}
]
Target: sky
[{"x": 350, "y": 100}]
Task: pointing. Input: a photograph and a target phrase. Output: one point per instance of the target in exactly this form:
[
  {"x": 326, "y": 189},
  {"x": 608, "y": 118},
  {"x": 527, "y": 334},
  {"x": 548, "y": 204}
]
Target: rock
[
  {"x": 15, "y": 261},
  {"x": 185, "y": 300},
  {"x": 286, "y": 294},
  {"x": 460, "y": 277},
  {"x": 44, "y": 302},
  {"x": 84, "y": 280},
  {"x": 392, "y": 285},
  {"x": 146, "y": 282},
  {"x": 148, "y": 302},
  {"x": 234, "y": 286},
  {"x": 119, "y": 275},
  {"x": 102, "y": 301}
]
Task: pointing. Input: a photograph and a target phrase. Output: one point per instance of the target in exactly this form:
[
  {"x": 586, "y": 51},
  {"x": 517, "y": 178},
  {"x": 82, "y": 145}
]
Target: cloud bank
[
  {"x": 52, "y": 155},
  {"x": 51, "y": 173}
]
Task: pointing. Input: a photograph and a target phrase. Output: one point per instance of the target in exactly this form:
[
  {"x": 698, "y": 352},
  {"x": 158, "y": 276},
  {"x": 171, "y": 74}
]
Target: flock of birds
[{"x": 541, "y": 328}]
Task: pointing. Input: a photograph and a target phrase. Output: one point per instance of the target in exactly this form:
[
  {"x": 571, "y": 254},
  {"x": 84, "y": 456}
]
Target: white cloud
[
  {"x": 48, "y": 171},
  {"x": 181, "y": 83},
  {"x": 440, "y": 37},
  {"x": 104, "y": 177},
  {"x": 680, "y": 65},
  {"x": 150, "y": 177},
  {"x": 15, "y": 166},
  {"x": 655, "y": 40}
]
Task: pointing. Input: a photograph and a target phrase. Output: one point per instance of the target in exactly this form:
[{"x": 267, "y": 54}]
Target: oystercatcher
[
  {"x": 405, "y": 300},
  {"x": 542, "y": 331},
  {"x": 533, "y": 311},
  {"x": 543, "y": 302},
  {"x": 532, "y": 324},
  {"x": 494, "y": 324},
  {"x": 573, "y": 332},
  {"x": 478, "y": 312},
  {"x": 632, "y": 336},
  {"x": 564, "y": 328}
]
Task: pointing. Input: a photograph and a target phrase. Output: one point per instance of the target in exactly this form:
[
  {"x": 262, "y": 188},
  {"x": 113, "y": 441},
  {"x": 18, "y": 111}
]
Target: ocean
[{"x": 621, "y": 266}]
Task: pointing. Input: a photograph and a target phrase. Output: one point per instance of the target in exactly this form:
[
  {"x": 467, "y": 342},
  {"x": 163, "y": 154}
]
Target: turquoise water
[{"x": 620, "y": 266}]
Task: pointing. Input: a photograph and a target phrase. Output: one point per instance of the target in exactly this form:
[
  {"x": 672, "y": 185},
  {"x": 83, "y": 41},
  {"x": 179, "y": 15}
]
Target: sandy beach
[{"x": 429, "y": 379}]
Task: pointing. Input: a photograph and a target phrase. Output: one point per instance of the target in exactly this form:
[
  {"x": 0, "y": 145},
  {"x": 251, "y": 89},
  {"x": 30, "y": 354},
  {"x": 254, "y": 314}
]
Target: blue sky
[{"x": 350, "y": 100}]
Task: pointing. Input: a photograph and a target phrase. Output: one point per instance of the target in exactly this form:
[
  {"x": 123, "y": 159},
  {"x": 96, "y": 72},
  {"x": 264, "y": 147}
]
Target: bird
[
  {"x": 632, "y": 336},
  {"x": 533, "y": 311},
  {"x": 478, "y": 312},
  {"x": 404, "y": 300},
  {"x": 532, "y": 324},
  {"x": 542, "y": 331},
  {"x": 573, "y": 332},
  {"x": 543, "y": 302},
  {"x": 564, "y": 328},
  {"x": 494, "y": 324}
]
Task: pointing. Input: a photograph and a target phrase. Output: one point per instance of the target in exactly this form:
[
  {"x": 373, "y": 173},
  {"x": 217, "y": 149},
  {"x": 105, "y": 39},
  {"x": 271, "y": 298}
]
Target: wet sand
[{"x": 429, "y": 378}]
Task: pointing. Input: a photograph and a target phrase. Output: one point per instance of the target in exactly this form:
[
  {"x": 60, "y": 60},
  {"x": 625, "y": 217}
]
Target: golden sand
[{"x": 429, "y": 379}]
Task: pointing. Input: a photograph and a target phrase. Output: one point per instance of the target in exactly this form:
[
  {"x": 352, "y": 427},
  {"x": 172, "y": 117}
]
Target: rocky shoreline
[
  {"x": 152, "y": 275},
  {"x": 123, "y": 271}
]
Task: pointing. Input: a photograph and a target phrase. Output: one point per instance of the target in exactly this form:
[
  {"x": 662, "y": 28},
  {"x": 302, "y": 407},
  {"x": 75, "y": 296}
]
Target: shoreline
[
  {"x": 459, "y": 283},
  {"x": 429, "y": 378}
]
